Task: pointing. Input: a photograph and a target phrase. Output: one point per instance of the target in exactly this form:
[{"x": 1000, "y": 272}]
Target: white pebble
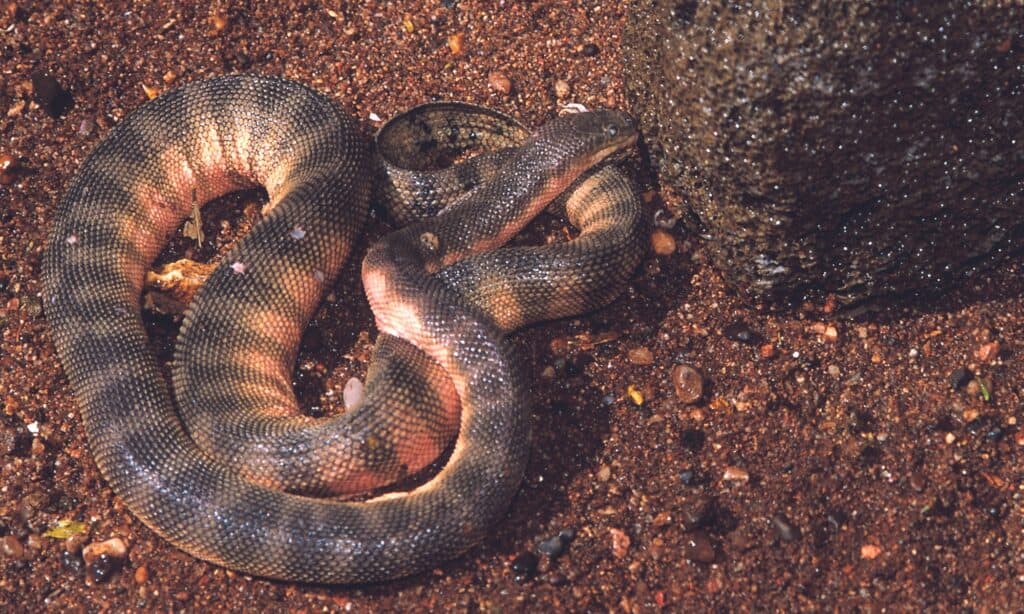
[
  {"x": 72, "y": 239},
  {"x": 374, "y": 117},
  {"x": 352, "y": 396},
  {"x": 297, "y": 233},
  {"x": 238, "y": 267}
]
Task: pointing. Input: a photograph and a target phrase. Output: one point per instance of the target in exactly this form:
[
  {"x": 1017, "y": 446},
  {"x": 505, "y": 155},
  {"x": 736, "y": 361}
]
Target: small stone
[
  {"x": 12, "y": 548},
  {"x": 785, "y": 529},
  {"x": 141, "y": 574},
  {"x": 455, "y": 43},
  {"x": 735, "y": 474},
  {"x": 113, "y": 548},
  {"x": 987, "y": 352},
  {"x": 589, "y": 50},
  {"x": 688, "y": 383},
  {"x": 352, "y": 395},
  {"x": 72, "y": 562},
  {"x": 740, "y": 331},
  {"x": 688, "y": 477},
  {"x": 604, "y": 473},
  {"x": 562, "y": 88},
  {"x": 499, "y": 82},
  {"x": 641, "y": 356},
  {"x": 8, "y": 169},
  {"x": 767, "y": 351},
  {"x": 553, "y": 547},
  {"x": 620, "y": 543},
  {"x": 698, "y": 548},
  {"x": 85, "y": 128},
  {"x": 50, "y": 95},
  {"x": 524, "y": 566},
  {"x": 663, "y": 243},
  {"x": 870, "y": 551},
  {"x": 104, "y": 559}
]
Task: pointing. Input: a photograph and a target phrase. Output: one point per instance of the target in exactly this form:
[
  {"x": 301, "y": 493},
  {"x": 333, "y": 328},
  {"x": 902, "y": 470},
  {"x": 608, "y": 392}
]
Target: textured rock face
[{"x": 835, "y": 147}]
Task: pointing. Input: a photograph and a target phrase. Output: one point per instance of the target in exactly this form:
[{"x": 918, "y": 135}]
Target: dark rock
[
  {"x": 958, "y": 378},
  {"x": 836, "y": 147},
  {"x": 688, "y": 477},
  {"x": 524, "y": 566},
  {"x": 740, "y": 331},
  {"x": 698, "y": 548},
  {"x": 589, "y": 50},
  {"x": 555, "y": 546},
  {"x": 72, "y": 562},
  {"x": 50, "y": 95}
]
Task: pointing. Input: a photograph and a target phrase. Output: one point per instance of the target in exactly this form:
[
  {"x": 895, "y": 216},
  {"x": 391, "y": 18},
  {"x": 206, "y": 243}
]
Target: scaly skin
[{"x": 216, "y": 136}]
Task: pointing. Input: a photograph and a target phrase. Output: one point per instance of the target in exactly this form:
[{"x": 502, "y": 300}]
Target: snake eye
[{"x": 611, "y": 130}]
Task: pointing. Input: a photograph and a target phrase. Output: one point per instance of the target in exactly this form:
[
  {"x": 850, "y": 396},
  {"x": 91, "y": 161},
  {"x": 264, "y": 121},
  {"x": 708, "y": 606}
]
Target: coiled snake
[{"x": 443, "y": 301}]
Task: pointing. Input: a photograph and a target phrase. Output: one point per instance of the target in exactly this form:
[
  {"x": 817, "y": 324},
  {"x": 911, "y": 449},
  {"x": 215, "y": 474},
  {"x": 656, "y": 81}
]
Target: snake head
[{"x": 580, "y": 140}]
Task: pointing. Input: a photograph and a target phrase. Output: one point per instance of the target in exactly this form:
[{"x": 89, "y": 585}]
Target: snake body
[{"x": 443, "y": 308}]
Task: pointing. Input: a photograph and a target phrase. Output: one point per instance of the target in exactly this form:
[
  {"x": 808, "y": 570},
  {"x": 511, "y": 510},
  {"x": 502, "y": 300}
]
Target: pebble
[
  {"x": 524, "y": 566},
  {"x": 767, "y": 351},
  {"x": 620, "y": 543},
  {"x": 141, "y": 574},
  {"x": 562, "y": 88},
  {"x": 740, "y": 331},
  {"x": 641, "y": 356},
  {"x": 555, "y": 546},
  {"x": 499, "y": 82},
  {"x": 72, "y": 562},
  {"x": 50, "y": 95},
  {"x": 589, "y": 50},
  {"x": 11, "y": 547},
  {"x": 352, "y": 395},
  {"x": 663, "y": 243},
  {"x": 987, "y": 352},
  {"x": 8, "y": 169},
  {"x": 688, "y": 383},
  {"x": 104, "y": 558},
  {"x": 688, "y": 477},
  {"x": 870, "y": 551},
  {"x": 455, "y": 43},
  {"x": 785, "y": 529},
  {"x": 698, "y": 548},
  {"x": 735, "y": 474},
  {"x": 604, "y": 472}
]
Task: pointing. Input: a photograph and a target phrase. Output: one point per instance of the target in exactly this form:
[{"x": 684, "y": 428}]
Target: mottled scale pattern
[{"x": 436, "y": 302}]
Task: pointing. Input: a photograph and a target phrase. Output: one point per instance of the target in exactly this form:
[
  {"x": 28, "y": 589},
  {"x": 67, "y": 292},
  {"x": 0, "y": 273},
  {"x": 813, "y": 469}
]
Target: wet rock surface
[
  {"x": 901, "y": 492},
  {"x": 837, "y": 147}
]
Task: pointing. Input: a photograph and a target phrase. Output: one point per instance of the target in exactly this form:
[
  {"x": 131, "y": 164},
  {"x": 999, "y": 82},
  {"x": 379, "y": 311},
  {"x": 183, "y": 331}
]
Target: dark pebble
[
  {"x": 568, "y": 534},
  {"x": 50, "y": 95},
  {"x": 688, "y": 477},
  {"x": 589, "y": 50},
  {"x": 553, "y": 547},
  {"x": 698, "y": 548},
  {"x": 740, "y": 331},
  {"x": 103, "y": 568},
  {"x": 524, "y": 566},
  {"x": 785, "y": 529},
  {"x": 958, "y": 378},
  {"x": 72, "y": 562}
]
